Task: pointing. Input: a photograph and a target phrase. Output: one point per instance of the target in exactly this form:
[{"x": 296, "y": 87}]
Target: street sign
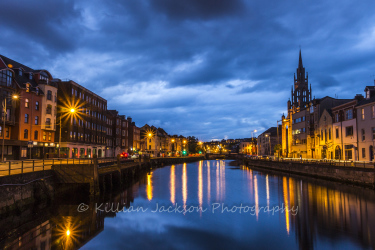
[{"x": 30, "y": 144}]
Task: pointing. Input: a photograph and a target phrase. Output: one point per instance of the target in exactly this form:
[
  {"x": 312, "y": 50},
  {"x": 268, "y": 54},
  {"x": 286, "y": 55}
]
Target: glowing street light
[
  {"x": 72, "y": 110},
  {"x": 15, "y": 97}
]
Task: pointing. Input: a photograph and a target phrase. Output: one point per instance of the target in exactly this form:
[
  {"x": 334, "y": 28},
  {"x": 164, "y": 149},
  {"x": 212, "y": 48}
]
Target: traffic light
[{"x": 184, "y": 152}]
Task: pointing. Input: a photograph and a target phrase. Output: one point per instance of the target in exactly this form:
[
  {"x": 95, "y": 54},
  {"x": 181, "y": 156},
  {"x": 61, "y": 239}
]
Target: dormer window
[
  {"x": 31, "y": 76},
  {"x": 37, "y": 90},
  {"x": 27, "y": 87},
  {"x": 20, "y": 72},
  {"x": 368, "y": 94}
]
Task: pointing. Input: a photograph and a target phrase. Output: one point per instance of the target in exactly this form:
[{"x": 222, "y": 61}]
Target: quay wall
[
  {"x": 352, "y": 175},
  {"x": 23, "y": 190}
]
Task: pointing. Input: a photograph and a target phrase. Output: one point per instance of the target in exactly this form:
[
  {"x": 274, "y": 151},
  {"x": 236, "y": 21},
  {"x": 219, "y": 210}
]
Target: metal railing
[
  {"x": 329, "y": 162},
  {"x": 27, "y": 166}
]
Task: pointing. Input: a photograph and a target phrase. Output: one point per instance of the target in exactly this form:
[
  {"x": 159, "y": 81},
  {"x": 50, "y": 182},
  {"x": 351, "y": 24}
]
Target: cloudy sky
[{"x": 208, "y": 68}]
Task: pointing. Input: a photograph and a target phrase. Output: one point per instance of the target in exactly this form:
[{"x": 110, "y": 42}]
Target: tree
[{"x": 277, "y": 148}]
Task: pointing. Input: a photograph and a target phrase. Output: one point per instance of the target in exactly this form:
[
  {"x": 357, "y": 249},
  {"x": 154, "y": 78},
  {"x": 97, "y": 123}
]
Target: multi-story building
[
  {"x": 267, "y": 141},
  {"x": 345, "y": 131},
  {"x": 366, "y": 125},
  {"x": 320, "y": 120},
  {"x": 248, "y": 147},
  {"x": 31, "y": 117},
  {"x": 83, "y": 121},
  {"x": 111, "y": 132},
  {"x": 124, "y": 134},
  {"x": 134, "y": 138}
]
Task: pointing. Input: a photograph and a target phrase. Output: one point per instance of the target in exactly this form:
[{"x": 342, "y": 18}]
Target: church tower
[{"x": 301, "y": 94}]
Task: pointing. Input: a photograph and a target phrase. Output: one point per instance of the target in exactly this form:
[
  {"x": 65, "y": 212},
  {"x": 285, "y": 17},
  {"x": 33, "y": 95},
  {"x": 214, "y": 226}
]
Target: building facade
[{"x": 82, "y": 115}]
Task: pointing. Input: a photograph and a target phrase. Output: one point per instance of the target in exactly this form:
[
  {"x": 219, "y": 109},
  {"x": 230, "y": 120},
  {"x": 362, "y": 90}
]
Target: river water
[{"x": 205, "y": 205}]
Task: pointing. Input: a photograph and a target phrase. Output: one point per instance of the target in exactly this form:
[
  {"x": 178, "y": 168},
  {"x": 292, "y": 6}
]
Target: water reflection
[
  {"x": 184, "y": 184},
  {"x": 208, "y": 181},
  {"x": 149, "y": 186},
  {"x": 200, "y": 183},
  {"x": 172, "y": 186},
  {"x": 329, "y": 214}
]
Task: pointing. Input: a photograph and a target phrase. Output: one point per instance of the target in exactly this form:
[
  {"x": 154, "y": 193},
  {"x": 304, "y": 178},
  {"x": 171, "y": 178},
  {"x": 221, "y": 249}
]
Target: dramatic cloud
[{"x": 207, "y": 68}]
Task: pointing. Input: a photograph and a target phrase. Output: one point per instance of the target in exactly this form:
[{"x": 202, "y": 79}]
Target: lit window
[{"x": 26, "y": 103}]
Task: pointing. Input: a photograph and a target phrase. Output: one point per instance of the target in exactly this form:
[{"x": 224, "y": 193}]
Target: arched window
[
  {"x": 26, "y": 103},
  {"x": 36, "y": 135},
  {"x": 26, "y": 134},
  {"x": 36, "y": 121}
]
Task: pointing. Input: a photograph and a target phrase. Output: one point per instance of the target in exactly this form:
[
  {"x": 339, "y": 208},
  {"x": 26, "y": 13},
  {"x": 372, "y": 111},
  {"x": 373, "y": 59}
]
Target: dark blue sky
[{"x": 209, "y": 68}]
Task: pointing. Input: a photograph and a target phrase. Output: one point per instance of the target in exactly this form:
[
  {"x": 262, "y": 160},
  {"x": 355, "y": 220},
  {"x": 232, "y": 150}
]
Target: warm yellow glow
[
  {"x": 72, "y": 110},
  {"x": 286, "y": 202},
  {"x": 200, "y": 143},
  {"x": 184, "y": 142},
  {"x": 15, "y": 96},
  {"x": 256, "y": 196},
  {"x": 208, "y": 182},
  {"x": 172, "y": 187},
  {"x": 184, "y": 184},
  {"x": 149, "y": 187},
  {"x": 172, "y": 140},
  {"x": 149, "y": 134},
  {"x": 10, "y": 65},
  {"x": 268, "y": 191},
  {"x": 200, "y": 183},
  {"x": 68, "y": 232},
  {"x": 255, "y": 131}
]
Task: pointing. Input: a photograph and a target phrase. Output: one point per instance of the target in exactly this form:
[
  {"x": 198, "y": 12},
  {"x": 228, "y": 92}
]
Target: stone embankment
[{"x": 352, "y": 175}]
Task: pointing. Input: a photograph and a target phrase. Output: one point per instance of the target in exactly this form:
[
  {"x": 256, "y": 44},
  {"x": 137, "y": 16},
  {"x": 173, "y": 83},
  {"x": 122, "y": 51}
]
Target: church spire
[{"x": 300, "y": 65}]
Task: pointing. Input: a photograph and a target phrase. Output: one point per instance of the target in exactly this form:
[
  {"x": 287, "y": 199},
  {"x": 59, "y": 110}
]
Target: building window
[
  {"x": 337, "y": 133},
  {"x": 7, "y": 132},
  {"x": 6, "y": 77},
  {"x": 373, "y": 133},
  {"x": 49, "y": 95},
  {"x": 36, "y": 120},
  {"x": 337, "y": 117},
  {"x": 26, "y": 103},
  {"x": 36, "y": 105},
  {"x": 363, "y": 114},
  {"x": 36, "y": 135},
  {"x": 26, "y": 134},
  {"x": 48, "y": 123},
  {"x": 363, "y": 153},
  {"x": 349, "y": 114},
  {"x": 363, "y": 134},
  {"x": 71, "y": 135},
  {"x": 321, "y": 135},
  {"x": 26, "y": 118},
  {"x": 349, "y": 131},
  {"x": 49, "y": 109},
  {"x": 373, "y": 111},
  {"x": 325, "y": 135},
  {"x": 44, "y": 136},
  {"x": 28, "y": 86},
  {"x": 329, "y": 134},
  {"x": 49, "y": 136},
  {"x": 1, "y": 131}
]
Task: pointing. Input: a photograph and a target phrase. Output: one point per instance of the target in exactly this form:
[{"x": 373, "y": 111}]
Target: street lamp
[
  {"x": 269, "y": 142},
  {"x": 72, "y": 111},
  {"x": 15, "y": 97}
]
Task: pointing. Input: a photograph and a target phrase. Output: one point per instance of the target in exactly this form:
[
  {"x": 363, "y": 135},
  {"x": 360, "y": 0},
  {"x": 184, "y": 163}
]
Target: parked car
[
  {"x": 135, "y": 156},
  {"x": 124, "y": 155}
]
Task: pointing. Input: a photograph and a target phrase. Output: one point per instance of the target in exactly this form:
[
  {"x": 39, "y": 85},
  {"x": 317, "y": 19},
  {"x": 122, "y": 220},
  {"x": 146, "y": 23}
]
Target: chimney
[{"x": 129, "y": 120}]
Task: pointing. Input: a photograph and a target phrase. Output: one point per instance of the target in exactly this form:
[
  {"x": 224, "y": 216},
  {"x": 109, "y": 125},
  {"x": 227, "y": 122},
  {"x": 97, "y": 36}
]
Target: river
[{"x": 203, "y": 205}]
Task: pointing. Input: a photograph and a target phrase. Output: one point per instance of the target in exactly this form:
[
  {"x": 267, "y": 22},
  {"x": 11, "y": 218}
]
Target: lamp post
[
  {"x": 269, "y": 142},
  {"x": 72, "y": 111},
  {"x": 172, "y": 145},
  {"x": 4, "y": 115}
]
